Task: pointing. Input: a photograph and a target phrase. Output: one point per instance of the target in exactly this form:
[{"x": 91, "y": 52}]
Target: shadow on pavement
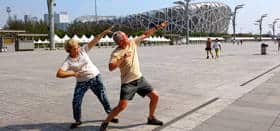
[
  {"x": 51, "y": 127},
  {"x": 127, "y": 126},
  {"x": 62, "y": 127}
]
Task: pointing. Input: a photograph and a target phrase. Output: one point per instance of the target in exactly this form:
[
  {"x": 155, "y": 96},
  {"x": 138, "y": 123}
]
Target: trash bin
[{"x": 263, "y": 48}]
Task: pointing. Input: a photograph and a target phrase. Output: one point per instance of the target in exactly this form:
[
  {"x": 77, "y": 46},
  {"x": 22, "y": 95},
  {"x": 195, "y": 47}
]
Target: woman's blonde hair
[{"x": 69, "y": 44}]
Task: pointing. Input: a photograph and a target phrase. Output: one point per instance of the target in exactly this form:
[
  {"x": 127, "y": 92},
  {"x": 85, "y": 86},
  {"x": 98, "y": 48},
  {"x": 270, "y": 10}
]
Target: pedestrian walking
[
  {"x": 217, "y": 47},
  {"x": 208, "y": 48}
]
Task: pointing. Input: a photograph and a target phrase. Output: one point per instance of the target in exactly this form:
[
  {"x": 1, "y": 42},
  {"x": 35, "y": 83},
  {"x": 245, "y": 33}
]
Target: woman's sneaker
[
  {"x": 103, "y": 126},
  {"x": 75, "y": 125},
  {"x": 154, "y": 121}
]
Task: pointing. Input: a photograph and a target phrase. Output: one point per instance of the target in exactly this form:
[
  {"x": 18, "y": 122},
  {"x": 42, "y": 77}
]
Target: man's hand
[
  {"x": 163, "y": 24},
  {"x": 99, "y": 36},
  {"x": 127, "y": 54},
  {"x": 109, "y": 30},
  {"x": 151, "y": 31},
  {"x": 77, "y": 74}
]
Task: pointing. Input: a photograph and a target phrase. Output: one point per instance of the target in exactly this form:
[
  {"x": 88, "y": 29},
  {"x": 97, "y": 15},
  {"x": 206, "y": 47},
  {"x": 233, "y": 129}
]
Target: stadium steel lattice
[{"x": 209, "y": 17}]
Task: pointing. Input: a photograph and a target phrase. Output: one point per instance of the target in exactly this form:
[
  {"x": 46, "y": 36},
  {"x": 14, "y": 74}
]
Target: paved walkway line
[
  {"x": 273, "y": 68},
  {"x": 186, "y": 114}
]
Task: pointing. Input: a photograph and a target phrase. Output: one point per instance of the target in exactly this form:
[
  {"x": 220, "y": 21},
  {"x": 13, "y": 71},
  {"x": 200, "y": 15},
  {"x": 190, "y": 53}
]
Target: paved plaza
[{"x": 193, "y": 90}]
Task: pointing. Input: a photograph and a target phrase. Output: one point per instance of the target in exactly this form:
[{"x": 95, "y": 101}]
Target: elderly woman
[{"x": 78, "y": 65}]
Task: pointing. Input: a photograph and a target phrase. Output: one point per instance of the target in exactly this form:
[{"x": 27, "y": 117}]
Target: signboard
[{"x": 8, "y": 41}]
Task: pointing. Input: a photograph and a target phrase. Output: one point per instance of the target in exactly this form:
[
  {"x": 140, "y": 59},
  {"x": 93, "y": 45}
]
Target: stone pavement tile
[
  {"x": 59, "y": 111},
  {"x": 253, "y": 97},
  {"x": 260, "y": 90},
  {"x": 8, "y": 119},
  {"x": 190, "y": 121},
  {"x": 9, "y": 107},
  {"x": 274, "y": 128},
  {"x": 237, "y": 124},
  {"x": 130, "y": 125},
  {"x": 24, "y": 103},
  {"x": 272, "y": 99},
  {"x": 264, "y": 98},
  {"x": 174, "y": 129},
  {"x": 231, "y": 90},
  {"x": 260, "y": 127},
  {"x": 39, "y": 127},
  {"x": 215, "y": 107},
  {"x": 209, "y": 127},
  {"x": 256, "y": 117},
  {"x": 254, "y": 110},
  {"x": 201, "y": 115},
  {"x": 260, "y": 105},
  {"x": 275, "y": 92},
  {"x": 40, "y": 115},
  {"x": 175, "y": 107},
  {"x": 277, "y": 122}
]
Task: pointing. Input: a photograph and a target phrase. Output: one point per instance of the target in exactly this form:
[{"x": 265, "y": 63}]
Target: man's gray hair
[{"x": 117, "y": 36}]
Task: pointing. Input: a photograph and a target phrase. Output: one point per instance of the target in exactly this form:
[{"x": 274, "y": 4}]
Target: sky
[{"x": 246, "y": 16}]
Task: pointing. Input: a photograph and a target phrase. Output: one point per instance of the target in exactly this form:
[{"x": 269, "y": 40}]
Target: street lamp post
[
  {"x": 8, "y": 10},
  {"x": 260, "y": 24},
  {"x": 95, "y": 11},
  {"x": 273, "y": 27},
  {"x": 234, "y": 19},
  {"x": 185, "y": 4},
  {"x": 51, "y": 23}
]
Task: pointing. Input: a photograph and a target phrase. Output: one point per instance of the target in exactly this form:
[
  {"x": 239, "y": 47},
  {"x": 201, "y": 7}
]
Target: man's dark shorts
[
  {"x": 208, "y": 48},
  {"x": 139, "y": 86}
]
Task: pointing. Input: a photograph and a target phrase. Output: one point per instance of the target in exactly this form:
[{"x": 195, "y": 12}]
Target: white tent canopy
[
  {"x": 106, "y": 39},
  {"x": 45, "y": 41},
  {"x": 91, "y": 38},
  {"x": 65, "y": 38},
  {"x": 151, "y": 39},
  {"x": 165, "y": 39},
  {"x": 57, "y": 39},
  {"x": 203, "y": 38},
  {"x": 75, "y": 37},
  {"x": 84, "y": 39},
  {"x": 131, "y": 37},
  {"x": 157, "y": 39},
  {"x": 39, "y": 41}
]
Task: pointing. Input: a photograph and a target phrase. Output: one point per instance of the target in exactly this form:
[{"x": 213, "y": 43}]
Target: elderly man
[{"x": 125, "y": 57}]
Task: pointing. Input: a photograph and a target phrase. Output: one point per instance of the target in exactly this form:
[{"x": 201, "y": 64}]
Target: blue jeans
[{"x": 97, "y": 87}]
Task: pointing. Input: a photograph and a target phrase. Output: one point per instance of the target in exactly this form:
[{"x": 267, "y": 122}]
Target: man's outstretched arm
[
  {"x": 98, "y": 37},
  {"x": 151, "y": 31}
]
